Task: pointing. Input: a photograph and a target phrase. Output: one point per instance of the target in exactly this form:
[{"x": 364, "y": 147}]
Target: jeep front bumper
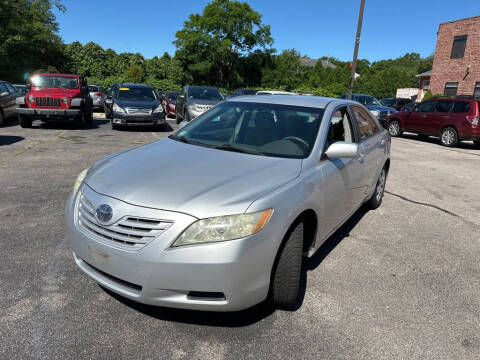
[{"x": 57, "y": 113}]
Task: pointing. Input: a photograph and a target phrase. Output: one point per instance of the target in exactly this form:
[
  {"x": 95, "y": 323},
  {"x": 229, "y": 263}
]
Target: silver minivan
[{"x": 249, "y": 188}]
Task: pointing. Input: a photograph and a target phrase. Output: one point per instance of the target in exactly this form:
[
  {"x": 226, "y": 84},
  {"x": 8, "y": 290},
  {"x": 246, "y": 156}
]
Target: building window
[
  {"x": 426, "y": 85},
  {"x": 458, "y": 48},
  {"x": 476, "y": 91},
  {"x": 451, "y": 89}
]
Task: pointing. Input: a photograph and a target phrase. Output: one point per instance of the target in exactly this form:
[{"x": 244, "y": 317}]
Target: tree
[
  {"x": 134, "y": 74},
  {"x": 210, "y": 45}
]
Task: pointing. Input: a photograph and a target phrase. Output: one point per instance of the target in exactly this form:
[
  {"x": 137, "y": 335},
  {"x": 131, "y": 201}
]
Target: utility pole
[{"x": 355, "y": 52}]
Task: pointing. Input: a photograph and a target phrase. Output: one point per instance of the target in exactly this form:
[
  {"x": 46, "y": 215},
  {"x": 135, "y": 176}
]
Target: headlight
[
  {"x": 375, "y": 112},
  {"x": 158, "y": 109},
  {"x": 223, "y": 228},
  {"x": 79, "y": 180},
  {"x": 31, "y": 99},
  {"x": 65, "y": 100},
  {"x": 118, "y": 109}
]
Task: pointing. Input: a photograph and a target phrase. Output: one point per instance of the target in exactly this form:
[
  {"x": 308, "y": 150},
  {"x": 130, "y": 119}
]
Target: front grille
[
  {"x": 383, "y": 115},
  {"x": 136, "y": 111},
  {"x": 129, "y": 232},
  {"x": 48, "y": 101}
]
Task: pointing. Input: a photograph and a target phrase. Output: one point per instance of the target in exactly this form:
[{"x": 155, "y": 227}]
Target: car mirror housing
[
  {"x": 108, "y": 100},
  {"x": 341, "y": 149}
]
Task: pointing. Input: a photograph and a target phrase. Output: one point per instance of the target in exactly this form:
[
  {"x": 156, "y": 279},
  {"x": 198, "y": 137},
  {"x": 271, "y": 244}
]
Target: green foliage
[
  {"x": 134, "y": 74},
  {"x": 210, "y": 45},
  {"x": 427, "y": 95}
]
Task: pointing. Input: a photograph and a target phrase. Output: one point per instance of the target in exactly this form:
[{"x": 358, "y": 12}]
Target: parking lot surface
[{"x": 399, "y": 282}]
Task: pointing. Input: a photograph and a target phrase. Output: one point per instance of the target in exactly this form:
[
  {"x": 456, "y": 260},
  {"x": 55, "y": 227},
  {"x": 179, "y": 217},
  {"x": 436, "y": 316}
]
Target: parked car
[
  {"x": 8, "y": 94},
  {"x": 133, "y": 104},
  {"x": 195, "y": 100},
  {"x": 376, "y": 108},
  {"x": 274, "y": 92},
  {"x": 22, "y": 89},
  {"x": 452, "y": 119},
  {"x": 260, "y": 181},
  {"x": 408, "y": 107},
  {"x": 396, "y": 103},
  {"x": 241, "y": 92},
  {"x": 169, "y": 102},
  {"x": 96, "y": 95},
  {"x": 160, "y": 95},
  {"x": 56, "y": 97}
]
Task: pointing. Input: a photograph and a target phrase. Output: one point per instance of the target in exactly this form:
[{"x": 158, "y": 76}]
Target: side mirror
[
  {"x": 108, "y": 100},
  {"x": 341, "y": 149}
]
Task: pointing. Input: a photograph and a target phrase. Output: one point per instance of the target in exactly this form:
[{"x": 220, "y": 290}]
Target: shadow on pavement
[
  {"x": 9, "y": 140},
  {"x": 253, "y": 314},
  {"x": 67, "y": 125},
  {"x": 466, "y": 145}
]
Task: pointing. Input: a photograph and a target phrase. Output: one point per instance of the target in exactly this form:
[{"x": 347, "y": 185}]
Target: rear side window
[
  {"x": 366, "y": 124},
  {"x": 461, "y": 107},
  {"x": 443, "y": 106}
]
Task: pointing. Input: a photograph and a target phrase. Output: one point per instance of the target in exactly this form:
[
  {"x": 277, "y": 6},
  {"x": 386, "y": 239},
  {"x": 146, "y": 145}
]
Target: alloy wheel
[
  {"x": 448, "y": 137},
  {"x": 380, "y": 186},
  {"x": 394, "y": 128}
]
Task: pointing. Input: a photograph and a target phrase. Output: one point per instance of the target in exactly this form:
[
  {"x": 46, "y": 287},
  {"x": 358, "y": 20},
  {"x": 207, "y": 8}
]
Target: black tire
[
  {"x": 394, "y": 128},
  {"x": 25, "y": 122},
  {"x": 375, "y": 201},
  {"x": 476, "y": 142},
  {"x": 1, "y": 117},
  {"x": 90, "y": 117},
  {"x": 80, "y": 120},
  {"x": 449, "y": 137},
  {"x": 114, "y": 126},
  {"x": 285, "y": 285}
]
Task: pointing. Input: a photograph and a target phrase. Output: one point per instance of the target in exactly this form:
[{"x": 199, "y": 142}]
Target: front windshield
[
  {"x": 136, "y": 93},
  {"x": 204, "y": 94},
  {"x": 367, "y": 100},
  {"x": 53, "y": 81},
  {"x": 263, "y": 129}
]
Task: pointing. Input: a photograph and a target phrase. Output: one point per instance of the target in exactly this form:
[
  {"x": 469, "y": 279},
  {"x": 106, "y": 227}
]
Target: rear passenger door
[
  {"x": 440, "y": 118},
  {"x": 371, "y": 152}
]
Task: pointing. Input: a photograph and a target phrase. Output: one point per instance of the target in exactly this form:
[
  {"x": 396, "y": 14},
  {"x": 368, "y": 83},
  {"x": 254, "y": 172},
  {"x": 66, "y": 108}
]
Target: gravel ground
[{"x": 399, "y": 282}]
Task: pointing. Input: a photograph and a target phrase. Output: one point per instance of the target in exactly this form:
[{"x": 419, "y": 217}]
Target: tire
[
  {"x": 24, "y": 121},
  {"x": 449, "y": 137},
  {"x": 285, "y": 285},
  {"x": 80, "y": 120},
  {"x": 114, "y": 126},
  {"x": 394, "y": 128},
  {"x": 2, "y": 119},
  {"x": 90, "y": 117},
  {"x": 476, "y": 142},
  {"x": 375, "y": 201}
]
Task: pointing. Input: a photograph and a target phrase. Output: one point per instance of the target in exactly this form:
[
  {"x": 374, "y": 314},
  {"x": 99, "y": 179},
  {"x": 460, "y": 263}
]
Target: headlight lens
[
  {"x": 65, "y": 100},
  {"x": 158, "y": 109},
  {"x": 118, "y": 109},
  {"x": 375, "y": 112},
  {"x": 79, "y": 180},
  {"x": 224, "y": 228},
  {"x": 31, "y": 99}
]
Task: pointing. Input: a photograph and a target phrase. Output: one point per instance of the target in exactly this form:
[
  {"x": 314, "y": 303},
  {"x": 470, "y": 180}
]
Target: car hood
[
  {"x": 199, "y": 181},
  {"x": 380, "y": 108},
  {"x": 142, "y": 104}
]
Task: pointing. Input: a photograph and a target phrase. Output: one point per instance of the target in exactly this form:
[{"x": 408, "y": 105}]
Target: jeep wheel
[
  {"x": 80, "y": 120},
  {"x": 90, "y": 117},
  {"x": 285, "y": 286},
  {"x": 24, "y": 121}
]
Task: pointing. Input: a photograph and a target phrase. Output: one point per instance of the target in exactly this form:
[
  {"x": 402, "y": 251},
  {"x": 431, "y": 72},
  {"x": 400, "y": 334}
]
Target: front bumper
[
  {"x": 160, "y": 275},
  {"x": 138, "y": 120},
  {"x": 49, "y": 113}
]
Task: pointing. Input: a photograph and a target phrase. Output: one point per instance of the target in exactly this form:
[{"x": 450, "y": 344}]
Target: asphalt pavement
[{"x": 400, "y": 282}]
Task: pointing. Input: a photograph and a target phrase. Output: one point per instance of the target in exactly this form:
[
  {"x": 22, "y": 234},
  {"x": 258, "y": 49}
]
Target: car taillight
[
  {"x": 98, "y": 94},
  {"x": 472, "y": 119}
]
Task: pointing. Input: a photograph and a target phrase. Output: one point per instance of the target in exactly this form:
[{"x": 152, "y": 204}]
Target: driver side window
[{"x": 340, "y": 128}]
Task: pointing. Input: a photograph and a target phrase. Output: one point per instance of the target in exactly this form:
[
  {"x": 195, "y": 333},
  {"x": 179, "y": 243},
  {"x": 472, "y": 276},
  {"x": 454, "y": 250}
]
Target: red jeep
[
  {"x": 452, "y": 119},
  {"x": 56, "y": 97}
]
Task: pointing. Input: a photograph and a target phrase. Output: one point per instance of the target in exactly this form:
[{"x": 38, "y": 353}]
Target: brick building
[{"x": 456, "y": 64}]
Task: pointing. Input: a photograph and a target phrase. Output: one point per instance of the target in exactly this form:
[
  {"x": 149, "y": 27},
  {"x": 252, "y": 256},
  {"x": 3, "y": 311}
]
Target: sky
[{"x": 315, "y": 28}]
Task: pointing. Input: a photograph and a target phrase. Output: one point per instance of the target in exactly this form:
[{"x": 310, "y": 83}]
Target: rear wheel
[
  {"x": 476, "y": 142},
  {"x": 24, "y": 121},
  {"x": 394, "y": 128},
  {"x": 287, "y": 270},
  {"x": 449, "y": 137},
  {"x": 90, "y": 117}
]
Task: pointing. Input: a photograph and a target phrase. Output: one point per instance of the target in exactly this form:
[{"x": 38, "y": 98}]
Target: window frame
[
  {"x": 476, "y": 87},
  {"x": 353, "y": 128},
  {"x": 457, "y": 39},
  {"x": 452, "y": 104},
  {"x": 358, "y": 136},
  {"x": 446, "y": 86}
]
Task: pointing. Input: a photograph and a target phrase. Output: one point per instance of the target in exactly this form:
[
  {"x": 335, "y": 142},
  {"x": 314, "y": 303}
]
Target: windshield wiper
[{"x": 230, "y": 147}]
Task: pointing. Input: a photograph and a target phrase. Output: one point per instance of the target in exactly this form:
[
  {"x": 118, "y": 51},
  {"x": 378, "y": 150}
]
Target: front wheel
[
  {"x": 476, "y": 142},
  {"x": 1, "y": 117},
  {"x": 394, "y": 128},
  {"x": 449, "y": 137},
  {"x": 24, "y": 121},
  {"x": 287, "y": 270},
  {"x": 377, "y": 196},
  {"x": 80, "y": 120}
]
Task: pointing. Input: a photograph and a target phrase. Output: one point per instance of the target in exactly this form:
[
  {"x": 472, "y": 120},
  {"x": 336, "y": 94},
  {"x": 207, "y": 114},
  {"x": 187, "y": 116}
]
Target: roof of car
[
  {"x": 294, "y": 100},
  {"x": 135, "y": 85}
]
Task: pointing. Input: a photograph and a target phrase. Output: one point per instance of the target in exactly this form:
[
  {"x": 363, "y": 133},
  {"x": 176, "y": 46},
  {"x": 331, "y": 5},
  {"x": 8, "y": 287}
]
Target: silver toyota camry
[{"x": 219, "y": 215}]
